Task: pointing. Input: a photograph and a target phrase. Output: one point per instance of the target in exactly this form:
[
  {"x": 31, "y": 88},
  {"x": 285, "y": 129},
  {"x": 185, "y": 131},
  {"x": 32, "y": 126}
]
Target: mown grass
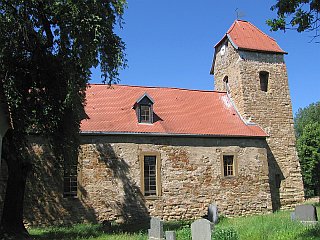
[
  {"x": 84, "y": 231},
  {"x": 276, "y": 226}
]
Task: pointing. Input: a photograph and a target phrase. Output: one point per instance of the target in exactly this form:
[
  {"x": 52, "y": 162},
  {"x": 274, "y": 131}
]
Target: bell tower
[{"x": 250, "y": 66}]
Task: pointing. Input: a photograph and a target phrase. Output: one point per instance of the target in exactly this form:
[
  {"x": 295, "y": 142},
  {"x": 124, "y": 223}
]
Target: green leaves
[
  {"x": 46, "y": 51},
  {"x": 300, "y": 15},
  {"x": 307, "y": 126},
  {"x": 305, "y": 116}
]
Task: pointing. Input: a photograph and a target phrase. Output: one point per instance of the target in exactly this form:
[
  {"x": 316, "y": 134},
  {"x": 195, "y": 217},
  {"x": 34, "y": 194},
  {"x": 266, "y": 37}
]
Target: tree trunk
[{"x": 12, "y": 215}]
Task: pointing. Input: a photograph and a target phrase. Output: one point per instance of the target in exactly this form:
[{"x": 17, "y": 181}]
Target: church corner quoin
[{"x": 169, "y": 153}]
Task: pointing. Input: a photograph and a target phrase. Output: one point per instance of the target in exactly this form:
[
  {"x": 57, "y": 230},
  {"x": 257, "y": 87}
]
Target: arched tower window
[
  {"x": 226, "y": 83},
  {"x": 264, "y": 78}
]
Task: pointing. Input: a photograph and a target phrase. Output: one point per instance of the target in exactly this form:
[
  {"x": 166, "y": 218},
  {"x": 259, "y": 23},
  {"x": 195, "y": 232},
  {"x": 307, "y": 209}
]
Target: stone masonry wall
[
  {"x": 191, "y": 177},
  {"x": 272, "y": 110},
  {"x": 109, "y": 178},
  {"x": 227, "y": 65}
]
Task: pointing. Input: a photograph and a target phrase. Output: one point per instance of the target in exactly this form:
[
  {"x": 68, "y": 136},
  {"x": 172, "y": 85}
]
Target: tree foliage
[
  {"x": 46, "y": 51},
  {"x": 307, "y": 127},
  {"x": 300, "y": 15},
  {"x": 305, "y": 116},
  {"x": 47, "y": 48}
]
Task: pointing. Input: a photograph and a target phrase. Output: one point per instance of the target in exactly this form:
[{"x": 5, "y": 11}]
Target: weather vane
[{"x": 240, "y": 14}]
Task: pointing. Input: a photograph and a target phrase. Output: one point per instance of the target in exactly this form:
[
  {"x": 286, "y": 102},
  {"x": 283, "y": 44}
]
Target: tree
[
  {"x": 308, "y": 146},
  {"x": 307, "y": 128},
  {"x": 306, "y": 115},
  {"x": 47, "y": 48},
  {"x": 300, "y": 15}
]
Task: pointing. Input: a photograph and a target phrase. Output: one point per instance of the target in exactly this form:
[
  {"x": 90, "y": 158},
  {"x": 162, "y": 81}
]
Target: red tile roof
[
  {"x": 246, "y": 36},
  {"x": 178, "y": 111}
]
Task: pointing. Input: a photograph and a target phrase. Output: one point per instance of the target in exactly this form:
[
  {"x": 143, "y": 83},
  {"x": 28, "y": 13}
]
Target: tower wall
[{"x": 272, "y": 110}]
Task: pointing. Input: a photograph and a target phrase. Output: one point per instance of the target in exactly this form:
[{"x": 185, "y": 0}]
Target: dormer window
[
  {"x": 145, "y": 114},
  {"x": 144, "y": 109}
]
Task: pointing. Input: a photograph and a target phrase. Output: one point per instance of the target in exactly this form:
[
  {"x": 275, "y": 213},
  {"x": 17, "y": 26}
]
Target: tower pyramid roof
[{"x": 245, "y": 36}]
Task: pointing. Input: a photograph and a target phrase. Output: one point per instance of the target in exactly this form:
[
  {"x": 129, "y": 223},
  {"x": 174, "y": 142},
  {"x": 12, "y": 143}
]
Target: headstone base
[{"x": 309, "y": 223}]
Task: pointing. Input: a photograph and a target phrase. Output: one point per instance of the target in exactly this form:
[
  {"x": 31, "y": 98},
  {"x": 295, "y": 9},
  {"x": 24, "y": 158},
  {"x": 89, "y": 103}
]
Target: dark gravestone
[
  {"x": 106, "y": 226},
  {"x": 170, "y": 235},
  {"x": 213, "y": 213},
  {"x": 305, "y": 213},
  {"x": 156, "y": 229},
  {"x": 201, "y": 229}
]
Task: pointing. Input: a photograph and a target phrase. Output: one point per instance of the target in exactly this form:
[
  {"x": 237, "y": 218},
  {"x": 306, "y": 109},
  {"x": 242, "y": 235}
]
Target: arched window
[
  {"x": 226, "y": 83},
  {"x": 264, "y": 78}
]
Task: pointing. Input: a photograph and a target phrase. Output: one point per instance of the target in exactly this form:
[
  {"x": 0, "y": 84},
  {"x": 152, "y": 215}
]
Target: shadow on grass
[
  {"x": 84, "y": 231},
  {"x": 67, "y": 233},
  {"x": 312, "y": 232}
]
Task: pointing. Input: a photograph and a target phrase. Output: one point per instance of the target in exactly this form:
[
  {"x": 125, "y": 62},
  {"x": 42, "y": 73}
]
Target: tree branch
[{"x": 46, "y": 25}]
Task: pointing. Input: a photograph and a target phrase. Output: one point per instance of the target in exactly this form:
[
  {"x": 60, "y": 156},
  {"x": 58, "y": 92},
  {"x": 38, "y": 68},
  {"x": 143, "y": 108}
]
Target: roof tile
[
  {"x": 177, "y": 111},
  {"x": 246, "y": 36}
]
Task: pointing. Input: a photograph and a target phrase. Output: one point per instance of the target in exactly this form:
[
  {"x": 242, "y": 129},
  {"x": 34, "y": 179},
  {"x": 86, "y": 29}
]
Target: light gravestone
[
  {"x": 156, "y": 229},
  {"x": 201, "y": 229},
  {"x": 213, "y": 213},
  {"x": 170, "y": 235},
  {"x": 305, "y": 213}
]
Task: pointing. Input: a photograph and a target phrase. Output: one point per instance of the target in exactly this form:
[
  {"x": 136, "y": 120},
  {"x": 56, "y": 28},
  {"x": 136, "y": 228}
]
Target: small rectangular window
[
  {"x": 70, "y": 183},
  {"x": 228, "y": 165},
  {"x": 145, "y": 114},
  {"x": 264, "y": 78},
  {"x": 150, "y": 174}
]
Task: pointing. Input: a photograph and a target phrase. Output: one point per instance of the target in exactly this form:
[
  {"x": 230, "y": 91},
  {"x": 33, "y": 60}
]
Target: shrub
[{"x": 184, "y": 233}]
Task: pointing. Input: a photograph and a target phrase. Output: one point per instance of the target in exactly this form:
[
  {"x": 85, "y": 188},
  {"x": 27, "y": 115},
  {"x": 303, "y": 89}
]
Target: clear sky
[{"x": 169, "y": 43}]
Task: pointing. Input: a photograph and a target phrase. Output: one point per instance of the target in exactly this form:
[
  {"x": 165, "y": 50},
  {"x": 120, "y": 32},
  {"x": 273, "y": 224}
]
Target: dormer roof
[
  {"x": 245, "y": 36},
  {"x": 145, "y": 95}
]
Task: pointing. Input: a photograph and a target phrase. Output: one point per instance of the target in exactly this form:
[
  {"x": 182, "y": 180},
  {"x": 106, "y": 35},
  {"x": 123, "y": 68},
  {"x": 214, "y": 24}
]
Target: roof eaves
[
  {"x": 222, "y": 39},
  {"x": 232, "y": 43},
  {"x": 262, "y": 51},
  {"x": 212, "y": 65},
  {"x": 171, "y": 134}
]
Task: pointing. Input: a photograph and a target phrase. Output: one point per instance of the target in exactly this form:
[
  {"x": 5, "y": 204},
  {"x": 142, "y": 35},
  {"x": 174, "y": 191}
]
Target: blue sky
[{"x": 170, "y": 43}]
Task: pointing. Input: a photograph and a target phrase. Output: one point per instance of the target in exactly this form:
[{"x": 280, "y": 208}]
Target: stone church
[{"x": 169, "y": 152}]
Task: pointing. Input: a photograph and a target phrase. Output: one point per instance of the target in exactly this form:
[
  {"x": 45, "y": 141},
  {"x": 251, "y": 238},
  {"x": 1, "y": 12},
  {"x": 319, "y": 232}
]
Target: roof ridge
[
  {"x": 262, "y": 32},
  {"x": 139, "y": 86}
]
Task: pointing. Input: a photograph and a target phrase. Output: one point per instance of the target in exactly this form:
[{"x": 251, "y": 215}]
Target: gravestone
[
  {"x": 106, "y": 226},
  {"x": 201, "y": 229},
  {"x": 305, "y": 213},
  {"x": 170, "y": 235},
  {"x": 156, "y": 229},
  {"x": 213, "y": 213},
  {"x": 293, "y": 216}
]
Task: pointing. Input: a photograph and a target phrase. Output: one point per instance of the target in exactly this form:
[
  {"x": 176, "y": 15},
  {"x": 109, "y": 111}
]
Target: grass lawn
[{"x": 276, "y": 226}]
